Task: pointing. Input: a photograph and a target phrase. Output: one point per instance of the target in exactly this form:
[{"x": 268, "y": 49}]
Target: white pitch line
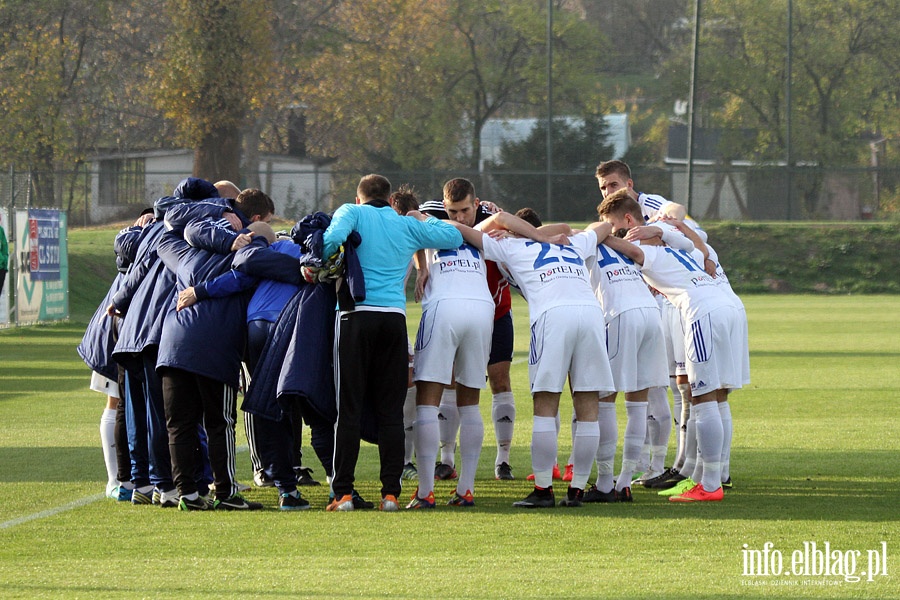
[
  {"x": 52, "y": 511},
  {"x": 65, "y": 507}
]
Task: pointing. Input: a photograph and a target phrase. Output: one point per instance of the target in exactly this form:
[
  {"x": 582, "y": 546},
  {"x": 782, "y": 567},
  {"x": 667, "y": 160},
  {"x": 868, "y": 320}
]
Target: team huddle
[{"x": 315, "y": 320}]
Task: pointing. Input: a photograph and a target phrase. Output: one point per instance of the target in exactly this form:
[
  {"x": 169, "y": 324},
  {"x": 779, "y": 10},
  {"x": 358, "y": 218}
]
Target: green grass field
[{"x": 816, "y": 443}]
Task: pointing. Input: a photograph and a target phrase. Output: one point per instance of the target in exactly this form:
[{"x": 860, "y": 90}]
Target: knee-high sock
[
  {"x": 606, "y": 449},
  {"x": 574, "y": 427},
  {"x": 427, "y": 440},
  {"x": 543, "y": 450},
  {"x": 503, "y": 413},
  {"x": 643, "y": 463},
  {"x": 448, "y": 416},
  {"x": 678, "y": 422},
  {"x": 584, "y": 449},
  {"x": 658, "y": 407},
  {"x": 727, "y": 429},
  {"x": 635, "y": 431},
  {"x": 471, "y": 438},
  {"x": 689, "y": 435},
  {"x": 709, "y": 444},
  {"x": 108, "y": 443},
  {"x": 409, "y": 424}
]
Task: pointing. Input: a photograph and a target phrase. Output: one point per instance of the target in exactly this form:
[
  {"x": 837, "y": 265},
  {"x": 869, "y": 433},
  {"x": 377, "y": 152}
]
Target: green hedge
[{"x": 856, "y": 258}]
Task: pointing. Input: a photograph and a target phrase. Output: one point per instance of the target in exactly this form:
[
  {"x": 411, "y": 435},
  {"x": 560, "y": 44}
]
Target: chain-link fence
[{"x": 718, "y": 192}]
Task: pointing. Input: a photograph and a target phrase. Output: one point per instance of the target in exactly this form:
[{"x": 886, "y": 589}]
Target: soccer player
[
  {"x": 371, "y": 340},
  {"x": 612, "y": 176},
  {"x": 712, "y": 329},
  {"x": 456, "y": 204},
  {"x": 199, "y": 361},
  {"x": 450, "y": 348},
  {"x": 634, "y": 342},
  {"x": 567, "y": 341}
]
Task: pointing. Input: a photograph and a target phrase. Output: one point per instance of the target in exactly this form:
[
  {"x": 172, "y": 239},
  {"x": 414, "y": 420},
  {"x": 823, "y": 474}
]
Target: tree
[
  {"x": 50, "y": 85},
  {"x": 842, "y": 82},
  {"x": 521, "y": 177},
  {"x": 497, "y": 63},
  {"x": 214, "y": 65},
  {"x": 373, "y": 96}
]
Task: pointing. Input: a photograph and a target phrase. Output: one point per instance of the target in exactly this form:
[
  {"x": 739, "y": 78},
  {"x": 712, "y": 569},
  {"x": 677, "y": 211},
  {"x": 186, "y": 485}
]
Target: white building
[{"x": 122, "y": 184}]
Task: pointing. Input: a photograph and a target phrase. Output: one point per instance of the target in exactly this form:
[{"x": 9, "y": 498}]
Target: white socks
[
  {"x": 409, "y": 423},
  {"x": 709, "y": 443},
  {"x": 727, "y": 428},
  {"x": 426, "y": 437},
  {"x": 659, "y": 416},
  {"x": 584, "y": 449},
  {"x": 471, "y": 438},
  {"x": 606, "y": 449},
  {"x": 108, "y": 443},
  {"x": 448, "y": 415},
  {"x": 503, "y": 413},
  {"x": 689, "y": 435},
  {"x": 543, "y": 450},
  {"x": 635, "y": 431}
]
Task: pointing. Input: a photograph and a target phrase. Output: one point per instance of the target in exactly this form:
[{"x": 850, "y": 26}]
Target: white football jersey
[
  {"x": 652, "y": 204},
  {"x": 548, "y": 275},
  {"x": 722, "y": 279},
  {"x": 617, "y": 283},
  {"x": 680, "y": 277},
  {"x": 458, "y": 273}
]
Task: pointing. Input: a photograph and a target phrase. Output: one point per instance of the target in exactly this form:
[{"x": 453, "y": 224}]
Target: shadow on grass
[{"x": 56, "y": 464}]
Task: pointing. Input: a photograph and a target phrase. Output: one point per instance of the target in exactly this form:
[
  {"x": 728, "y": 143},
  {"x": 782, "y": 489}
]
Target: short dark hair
[
  {"x": 613, "y": 166},
  {"x": 529, "y": 216},
  {"x": 458, "y": 189},
  {"x": 619, "y": 203},
  {"x": 404, "y": 199},
  {"x": 373, "y": 187},
  {"x": 253, "y": 202}
]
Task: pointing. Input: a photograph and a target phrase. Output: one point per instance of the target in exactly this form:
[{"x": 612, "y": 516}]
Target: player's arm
[
  {"x": 512, "y": 223},
  {"x": 601, "y": 229},
  {"x": 632, "y": 251},
  {"x": 666, "y": 231},
  {"x": 421, "y": 273}
]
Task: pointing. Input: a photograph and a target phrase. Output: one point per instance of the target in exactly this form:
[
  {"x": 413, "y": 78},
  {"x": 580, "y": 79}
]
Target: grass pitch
[{"x": 814, "y": 460}]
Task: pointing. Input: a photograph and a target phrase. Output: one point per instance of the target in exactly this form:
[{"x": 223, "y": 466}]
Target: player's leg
[
  {"x": 471, "y": 438},
  {"x": 110, "y": 391},
  {"x": 635, "y": 432},
  {"x": 503, "y": 406},
  {"x": 448, "y": 417},
  {"x": 388, "y": 378},
  {"x": 427, "y": 437}
]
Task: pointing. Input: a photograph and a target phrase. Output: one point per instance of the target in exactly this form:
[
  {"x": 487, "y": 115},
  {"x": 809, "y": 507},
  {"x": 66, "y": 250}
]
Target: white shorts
[
  {"x": 570, "y": 340},
  {"x": 673, "y": 331},
  {"x": 104, "y": 385},
  {"x": 454, "y": 342},
  {"x": 637, "y": 355},
  {"x": 714, "y": 351},
  {"x": 745, "y": 346}
]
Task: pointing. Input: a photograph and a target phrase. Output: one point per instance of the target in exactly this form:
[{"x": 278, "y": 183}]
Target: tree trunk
[{"x": 218, "y": 156}]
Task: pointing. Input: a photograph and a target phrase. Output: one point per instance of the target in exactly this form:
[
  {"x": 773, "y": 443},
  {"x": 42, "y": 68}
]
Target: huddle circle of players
[{"x": 209, "y": 301}]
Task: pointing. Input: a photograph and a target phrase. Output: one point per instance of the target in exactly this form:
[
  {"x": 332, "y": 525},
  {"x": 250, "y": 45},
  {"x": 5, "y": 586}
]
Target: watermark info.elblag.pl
[{"x": 812, "y": 563}]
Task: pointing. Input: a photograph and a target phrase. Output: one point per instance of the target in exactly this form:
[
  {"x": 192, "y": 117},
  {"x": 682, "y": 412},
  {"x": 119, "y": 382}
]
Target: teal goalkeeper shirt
[{"x": 388, "y": 243}]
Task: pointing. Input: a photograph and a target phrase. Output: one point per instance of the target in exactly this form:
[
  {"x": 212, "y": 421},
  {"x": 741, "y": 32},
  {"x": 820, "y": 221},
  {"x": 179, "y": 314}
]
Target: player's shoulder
[
  {"x": 434, "y": 208},
  {"x": 654, "y": 201}
]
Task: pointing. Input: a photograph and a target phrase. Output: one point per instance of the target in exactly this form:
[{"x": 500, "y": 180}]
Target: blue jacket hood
[{"x": 194, "y": 188}]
